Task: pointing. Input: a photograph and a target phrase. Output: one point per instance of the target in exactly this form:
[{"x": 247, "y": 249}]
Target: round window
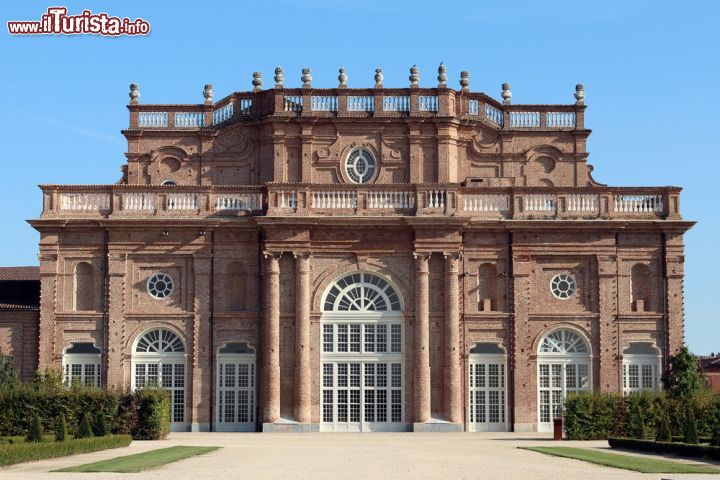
[
  {"x": 169, "y": 183},
  {"x": 360, "y": 166},
  {"x": 160, "y": 285},
  {"x": 563, "y": 286}
]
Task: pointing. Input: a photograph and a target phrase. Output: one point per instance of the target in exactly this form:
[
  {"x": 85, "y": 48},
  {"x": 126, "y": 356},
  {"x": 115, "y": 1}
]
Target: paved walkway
[{"x": 350, "y": 456}]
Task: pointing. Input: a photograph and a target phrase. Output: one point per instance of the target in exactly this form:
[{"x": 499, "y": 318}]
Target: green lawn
[
  {"x": 141, "y": 461},
  {"x": 628, "y": 462}
]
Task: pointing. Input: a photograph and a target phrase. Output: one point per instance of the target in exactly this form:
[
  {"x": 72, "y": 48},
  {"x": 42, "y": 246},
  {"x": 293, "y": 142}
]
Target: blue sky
[{"x": 650, "y": 71}]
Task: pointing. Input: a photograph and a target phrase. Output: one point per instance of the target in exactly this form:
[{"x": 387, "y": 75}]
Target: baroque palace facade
[{"x": 302, "y": 259}]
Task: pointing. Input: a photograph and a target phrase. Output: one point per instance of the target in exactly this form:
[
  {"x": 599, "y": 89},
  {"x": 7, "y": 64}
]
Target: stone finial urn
[
  {"x": 414, "y": 76},
  {"x": 442, "y": 76},
  {"x": 465, "y": 81},
  {"x": 279, "y": 77},
  {"x": 579, "y": 94},
  {"x": 208, "y": 93},
  {"x": 342, "y": 78},
  {"x": 257, "y": 81},
  {"x": 378, "y": 78},
  {"x": 306, "y": 78},
  {"x": 506, "y": 93},
  {"x": 134, "y": 93}
]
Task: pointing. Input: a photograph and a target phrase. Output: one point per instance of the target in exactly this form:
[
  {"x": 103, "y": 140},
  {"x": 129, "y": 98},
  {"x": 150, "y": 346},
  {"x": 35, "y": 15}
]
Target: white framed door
[
  {"x": 168, "y": 374},
  {"x": 487, "y": 402},
  {"x": 555, "y": 380},
  {"x": 236, "y": 393}
]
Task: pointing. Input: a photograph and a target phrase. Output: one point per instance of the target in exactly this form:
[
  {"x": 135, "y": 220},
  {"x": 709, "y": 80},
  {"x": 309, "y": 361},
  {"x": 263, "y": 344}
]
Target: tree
[
  {"x": 691, "y": 433},
  {"x": 35, "y": 432},
  {"x": 61, "y": 429},
  {"x": 663, "y": 428},
  {"x": 682, "y": 380},
  {"x": 7, "y": 371},
  {"x": 100, "y": 427},
  {"x": 84, "y": 429}
]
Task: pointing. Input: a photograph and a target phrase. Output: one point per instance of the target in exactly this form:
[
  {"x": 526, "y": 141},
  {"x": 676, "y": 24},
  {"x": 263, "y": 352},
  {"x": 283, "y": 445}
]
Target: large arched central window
[
  {"x": 159, "y": 361},
  {"x": 563, "y": 367},
  {"x": 361, "y": 292},
  {"x": 362, "y": 355}
]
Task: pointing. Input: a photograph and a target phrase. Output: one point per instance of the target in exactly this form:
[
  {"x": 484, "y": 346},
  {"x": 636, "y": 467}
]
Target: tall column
[
  {"x": 421, "y": 377},
  {"x": 302, "y": 338},
  {"x": 48, "y": 282},
  {"x": 115, "y": 336},
  {"x": 200, "y": 394},
  {"x": 271, "y": 340},
  {"x": 453, "y": 378}
]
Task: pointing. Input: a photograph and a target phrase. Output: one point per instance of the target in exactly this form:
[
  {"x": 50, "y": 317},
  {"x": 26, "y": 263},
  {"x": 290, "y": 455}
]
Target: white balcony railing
[
  {"x": 539, "y": 202},
  {"x": 391, "y": 199},
  {"x": 239, "y": 202},
  {"x": 486, "y": 203},
  {"x": 428, "y": 103},
  {"x": 333, "y": 199},
  {"x": 182, "y": 201},
  {"x": 323, "y": 104},
  {"x": 361, "y": 103},
  {"x": 639, "y": 203},
  {"x": 139, "y": 201},
  {"x": 396, "y": 103},
  {"x": 223, "y": 113},
  {"x": 85, "y": 201}
]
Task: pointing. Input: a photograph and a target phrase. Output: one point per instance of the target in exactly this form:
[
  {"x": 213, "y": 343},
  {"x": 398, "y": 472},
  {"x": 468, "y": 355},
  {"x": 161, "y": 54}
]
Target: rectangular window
[
  {"x": 396, "y": 338},
  {"x": 328, "y": 335},
  {"x": 342, "y": 338}
]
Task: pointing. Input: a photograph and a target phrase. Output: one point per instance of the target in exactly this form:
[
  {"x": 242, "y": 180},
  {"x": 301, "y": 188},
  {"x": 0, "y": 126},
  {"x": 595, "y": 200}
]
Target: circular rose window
[
  {"x": 160, "y": 285},
  {"x": 563, "y": 286},
  {"x": 360, "y": 165}
]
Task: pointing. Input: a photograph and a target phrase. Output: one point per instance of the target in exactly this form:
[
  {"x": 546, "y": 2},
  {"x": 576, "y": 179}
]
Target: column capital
[
  {"x": 302, "y": 255},
  {"x": 272, "y": 255}
]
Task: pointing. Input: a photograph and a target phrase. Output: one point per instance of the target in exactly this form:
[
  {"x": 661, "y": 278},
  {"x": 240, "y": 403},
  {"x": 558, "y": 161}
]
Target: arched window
[
  {"x": 563, "y": 367},
  {"x": 81, "y": 365},
  {"x": 640, "y": 286},
  {"x": 363, "y": 292},
  {"x": 159, "y": 361},
  {"x": 487, "y": 287},
  {"x": 487, "y": 388},
  {"x": 84, "y": 298},
  {"x": 641, "y": 367},
  {"x": 236, "y": 388}
]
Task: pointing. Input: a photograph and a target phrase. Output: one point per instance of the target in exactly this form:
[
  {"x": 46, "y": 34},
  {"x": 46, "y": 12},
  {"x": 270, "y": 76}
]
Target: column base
[
  {"x": 289, "y": 426},
  {"x": 439, "y": 426}
]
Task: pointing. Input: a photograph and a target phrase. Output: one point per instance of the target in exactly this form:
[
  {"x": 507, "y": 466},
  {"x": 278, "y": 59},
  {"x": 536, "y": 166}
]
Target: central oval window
[{"x": 360, "y": 166}]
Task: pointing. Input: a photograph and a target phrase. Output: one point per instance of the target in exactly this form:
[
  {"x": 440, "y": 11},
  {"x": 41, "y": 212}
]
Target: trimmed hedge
[
  {"x": 141, "y": 414},
  {"x": 598, "y": 416},
  {"x": 11, "y": 453},
  {"x": 680, "y": 449}
]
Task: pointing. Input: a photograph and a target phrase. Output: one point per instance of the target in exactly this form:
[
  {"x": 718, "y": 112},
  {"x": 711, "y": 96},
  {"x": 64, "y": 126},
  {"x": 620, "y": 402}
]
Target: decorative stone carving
[
  {"x": 208, "y": 93},
  {"x": 279, "y": 77},
  {"x": 442, "y": 76},
  {"x": 465, "y": 81},
  {"x": 414, "y": 76},
  {"x": 506, "y": 93},
  {"x": 134, "y": 93},
  {"x": 342, "y": 78},
  {"x": 257, "y": 81},
  {"x": 378, "y": 78},
  {"x": 579, "y": 94},
  {"x": 306, "y": 78}
]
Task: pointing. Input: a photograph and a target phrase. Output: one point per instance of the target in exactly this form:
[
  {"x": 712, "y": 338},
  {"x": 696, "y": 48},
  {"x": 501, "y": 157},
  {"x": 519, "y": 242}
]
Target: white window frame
[
  {"x": 236, "y": 359},
  {"x": 487, "y": 359},
  {"x": 160, "y": 359},
  {"x": 83, "y": 361},
  {"x": 641, "y": 361}
]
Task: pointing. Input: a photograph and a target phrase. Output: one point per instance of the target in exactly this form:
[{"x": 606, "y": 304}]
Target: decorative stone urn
[
  {"x": 279, "y": 77},
  {"x": 306, "y": 78}
]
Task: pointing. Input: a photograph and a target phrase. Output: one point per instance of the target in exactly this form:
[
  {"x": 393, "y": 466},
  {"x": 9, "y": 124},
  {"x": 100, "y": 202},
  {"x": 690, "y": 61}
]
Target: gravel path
[{"x": 416, "y": 456}]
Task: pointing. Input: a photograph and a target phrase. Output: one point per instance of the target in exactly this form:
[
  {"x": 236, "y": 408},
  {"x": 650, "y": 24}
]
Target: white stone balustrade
[
  {"x": 239, "y": 202},
  {"x": 182, "y": 201},
  {"x": 578, "y": 202},
  {"x": 139, "y": 201},
  {"x": 382, "y": 199},
  {"x": 560, "y": 119},
  {"x": 428, "y": 103},
  {"x": 525, "y": 119},
  {"x": 494, "y": 114},
  {"x": 539, "y": 202},
  {"x": 153, "y": 119},
  {"x": 287, "y": 199},
  {"x": 85, "y": 201},
  {"x": 223, "y": 113},
  {"x": 333, "y": 199},
  {"x": 293, "y": 103},
  {"x": 473, "y": 107},
  {"x": 486, "y": 203},
  {"x": 245, "y": 106},
  {"x": 639, "y": 204},
  {"x": 396, "y": 103},
  {"x": 361, "y": 103},
  {"x": 323, "y": 104},
  {"x": 189, "y": 119},
  {"x": 436, "y": 198}
]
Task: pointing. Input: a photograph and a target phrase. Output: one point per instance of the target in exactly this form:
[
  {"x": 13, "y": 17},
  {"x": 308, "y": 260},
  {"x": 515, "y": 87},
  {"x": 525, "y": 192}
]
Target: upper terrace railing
[
  {"x": 362, "y": 103},
  {"x": 149, "y": 201}
]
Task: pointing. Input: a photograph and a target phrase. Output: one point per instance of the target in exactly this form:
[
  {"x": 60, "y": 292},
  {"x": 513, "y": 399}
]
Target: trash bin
[{"x": 557, "y": 429}]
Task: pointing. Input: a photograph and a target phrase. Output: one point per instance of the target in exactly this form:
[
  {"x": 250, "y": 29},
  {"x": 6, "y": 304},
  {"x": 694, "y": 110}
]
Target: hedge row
[
  {"x": 144, "y": 414},
  {"x": 681, "y": 449},
  {"x": 11, "y": 453},
  {"x": 598, "y": 416}
]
